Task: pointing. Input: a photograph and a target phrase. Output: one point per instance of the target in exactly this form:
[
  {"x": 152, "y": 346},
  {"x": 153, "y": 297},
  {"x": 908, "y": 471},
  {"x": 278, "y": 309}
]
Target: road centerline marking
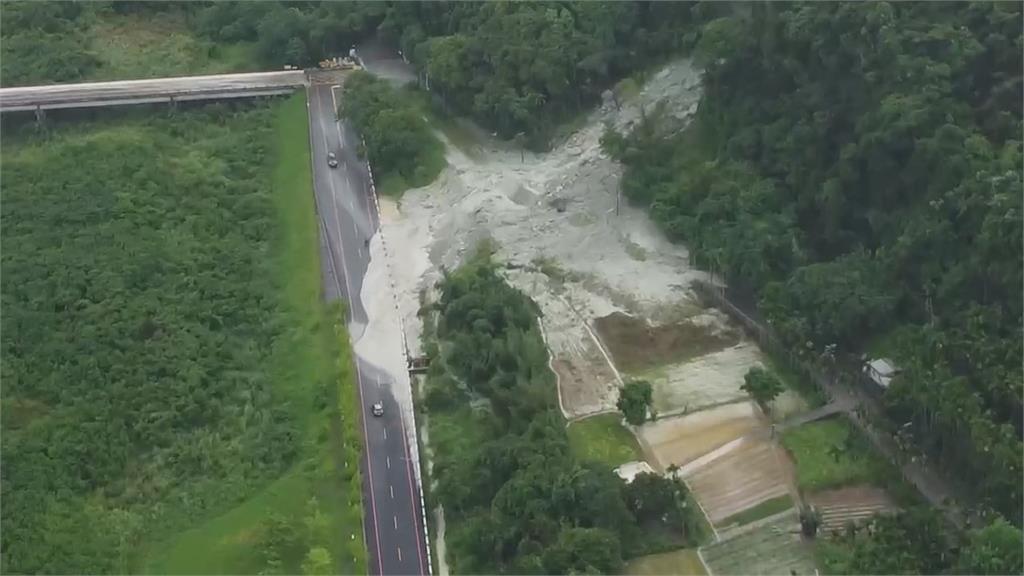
[{"x": 359, "y": 377}]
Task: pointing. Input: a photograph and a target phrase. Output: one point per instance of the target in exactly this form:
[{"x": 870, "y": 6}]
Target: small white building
[{"x": 881, "y": 371}]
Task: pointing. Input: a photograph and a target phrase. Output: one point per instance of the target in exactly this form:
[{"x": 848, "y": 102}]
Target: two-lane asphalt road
[{"x": 393, "y": 517}]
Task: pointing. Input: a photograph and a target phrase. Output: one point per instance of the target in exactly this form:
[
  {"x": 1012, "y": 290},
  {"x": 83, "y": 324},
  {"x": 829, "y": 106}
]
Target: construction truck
[{"x": 338, "y": 63}]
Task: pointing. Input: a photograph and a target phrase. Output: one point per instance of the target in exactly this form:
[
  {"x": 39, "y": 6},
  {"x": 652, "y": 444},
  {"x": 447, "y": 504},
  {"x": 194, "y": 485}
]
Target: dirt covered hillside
[{"x": 614, "y": 292}]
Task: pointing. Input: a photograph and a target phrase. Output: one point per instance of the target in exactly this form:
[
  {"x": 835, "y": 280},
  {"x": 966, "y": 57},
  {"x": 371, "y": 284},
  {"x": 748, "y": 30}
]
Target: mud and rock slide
[
  {"x": 613, "y": 291},
  {"x": 600, "y": 270}
]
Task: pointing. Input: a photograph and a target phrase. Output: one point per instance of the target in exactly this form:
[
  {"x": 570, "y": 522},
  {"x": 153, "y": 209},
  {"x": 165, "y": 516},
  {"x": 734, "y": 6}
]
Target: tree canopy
[
  {"x": 516, "y": 500},
  {"x": 634, "y": 401},
  {"x": 857, "y": 166},
  {"x": 399, "y": 142},
  {"x": 762, "y": 386},
  {"x": 521, "y": 66}
]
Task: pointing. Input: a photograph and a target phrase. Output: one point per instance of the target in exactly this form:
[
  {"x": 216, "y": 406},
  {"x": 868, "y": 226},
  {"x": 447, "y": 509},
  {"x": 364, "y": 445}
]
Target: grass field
[
  {"x": 793, "y": 381},
  {"x": 320, "y": 484},
  {"x": 762, "y": 510},
  {"x": 604, "y": 439},
  {"x": 679, "y": 562},
  {"x": 829, "y": 454},
  {"x": 136, "y": 46}
]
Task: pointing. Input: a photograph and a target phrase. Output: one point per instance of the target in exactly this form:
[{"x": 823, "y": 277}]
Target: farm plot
[
  {"x": 604, "y": 439},
  {"x": 830, "y": 454},
  {"x": 587, "y": 383},
  {"x": 738, "y": 476},
  {"x": 681, "y": 439},
  {"x": 853, "y": 504},
  {"x": 707, "y": 380},
  {"x": 773, "y": 548},
  {"x": 678, "y": 563},
  {"x": 637, "y": 344}
]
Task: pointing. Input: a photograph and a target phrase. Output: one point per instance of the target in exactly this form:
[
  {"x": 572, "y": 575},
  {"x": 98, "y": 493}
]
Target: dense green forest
[
  {"x": 162, "y": 356},
  {"x": 515, "y": 67},
  {"x": 516, "y": 499},
  {"x": 58, "y": 41},
  {"x": 858, "y": 167},
  {"x": 399, "y": 142},
  {"x": 524, "y": 66},
  {"x": 46, "y": 42}
]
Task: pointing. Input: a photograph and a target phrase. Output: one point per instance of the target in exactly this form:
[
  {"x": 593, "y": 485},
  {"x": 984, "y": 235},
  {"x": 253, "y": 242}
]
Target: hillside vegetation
[
  {"x": 516, "y": 498},
  {"x": 859, "y": 167},
  {"x": 399, "y": 142},
  {"x": 47, "y": 42},
  {"x": 522, "y": 67},
  {"x": 166, "y": 353}
]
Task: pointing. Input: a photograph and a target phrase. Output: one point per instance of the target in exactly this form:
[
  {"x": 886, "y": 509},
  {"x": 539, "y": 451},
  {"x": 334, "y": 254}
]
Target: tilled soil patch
[
  {"x": 851, "y": 504},
  {"x": 681, "y": 439},
  {"x": 774, "y": 548},
  {"x": 637, "y": 345},
  {"x": 742, "y": 477}
]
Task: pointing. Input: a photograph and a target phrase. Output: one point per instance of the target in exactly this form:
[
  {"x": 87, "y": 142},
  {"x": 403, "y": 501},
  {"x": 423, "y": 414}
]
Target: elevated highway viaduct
[{"x": 154, "y": 90}]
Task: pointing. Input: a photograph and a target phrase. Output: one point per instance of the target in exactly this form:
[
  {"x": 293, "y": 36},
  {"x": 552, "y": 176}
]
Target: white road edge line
[
  {"x": 405, "y": 352},
  {"x": 359, "y": 378},
  {"x": 335, "y": 101}
]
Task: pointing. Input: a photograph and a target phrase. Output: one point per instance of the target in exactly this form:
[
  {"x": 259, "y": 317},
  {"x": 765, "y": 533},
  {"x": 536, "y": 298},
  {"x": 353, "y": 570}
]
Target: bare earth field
[
  {"x": 677, "y": 563},
  {"x": 587, "y": 381},
  {"x": 850, "y": 504},
  {"x": 636, "y": 344},
  {"x": 774, "y": 547},
  {"x": 707, "y": 380},
  {"x": 743, "y": 474},
  {"x": 681, "y": 439}
]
